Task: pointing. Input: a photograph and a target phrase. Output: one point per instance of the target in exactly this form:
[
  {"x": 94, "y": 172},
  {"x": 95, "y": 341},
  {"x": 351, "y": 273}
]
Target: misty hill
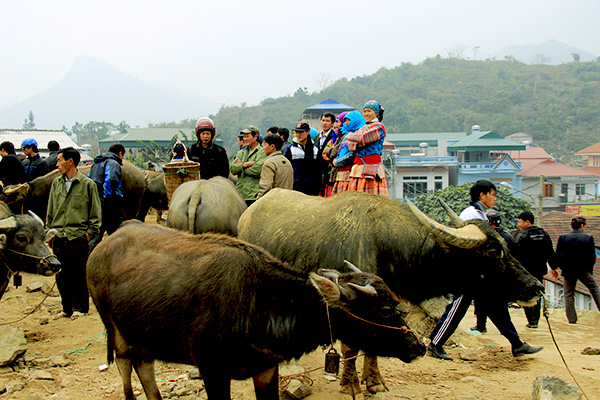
[
  {"x": 559, "y": 105},
  {"x": 550, "y": 52},
  {"x": 93, "y": 91}
]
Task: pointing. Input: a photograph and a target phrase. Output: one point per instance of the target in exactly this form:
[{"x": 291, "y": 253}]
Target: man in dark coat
[
  {"x": 212, "y": 157},
  {"x": 34, "y": 165},
  {"x": 576, "y": 256},
  {"x": 11, "y": 168},
  {"x": 535, "y": 252}
]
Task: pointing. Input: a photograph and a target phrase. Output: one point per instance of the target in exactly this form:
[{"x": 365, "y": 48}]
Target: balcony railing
[
  {"x": 425, "y": 160},
  {"x": 482, "y": 165}
]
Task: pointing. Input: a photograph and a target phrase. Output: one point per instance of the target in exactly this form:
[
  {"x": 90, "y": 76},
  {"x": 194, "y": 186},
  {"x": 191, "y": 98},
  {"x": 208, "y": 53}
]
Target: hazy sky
[{"x": 232, "y": 51}]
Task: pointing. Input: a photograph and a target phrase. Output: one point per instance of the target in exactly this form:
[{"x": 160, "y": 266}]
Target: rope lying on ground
[
  {"x": 546, "y": 315},
  {"x": 32, "y": 311}
]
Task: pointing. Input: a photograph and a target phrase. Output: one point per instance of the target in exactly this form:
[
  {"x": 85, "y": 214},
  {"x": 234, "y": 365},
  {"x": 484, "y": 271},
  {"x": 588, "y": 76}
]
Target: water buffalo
[
  {"x": 155, "y": 195},
  {"x": 212, "y": 205},
  {"x": 229, "y": 308},
  {"x": 418, "y": 257},
  {"x": 34, "y": 194},
  {"x": 23, "y": 247}
]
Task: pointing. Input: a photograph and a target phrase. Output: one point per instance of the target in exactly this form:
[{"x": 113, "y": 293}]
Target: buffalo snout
[{"x": 50, "y": 266}]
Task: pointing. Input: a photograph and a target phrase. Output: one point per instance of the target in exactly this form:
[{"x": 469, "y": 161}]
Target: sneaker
[
  {"x": 438, "y": 352},
  {"x": 474, "y": 328},
  {"x": 531, "y": 326},
  {"x": 525, "y": 349}
]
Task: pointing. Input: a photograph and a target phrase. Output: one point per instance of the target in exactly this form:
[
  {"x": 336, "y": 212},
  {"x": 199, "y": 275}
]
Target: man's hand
[
  {"x": 248, "y": 164},
  {"x": 237, "y": 160},
  {"x": 555, "y": 273}
]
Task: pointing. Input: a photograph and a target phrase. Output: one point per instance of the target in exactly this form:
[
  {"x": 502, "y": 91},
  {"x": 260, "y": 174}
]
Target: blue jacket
[{"x": 106, "y": 172}]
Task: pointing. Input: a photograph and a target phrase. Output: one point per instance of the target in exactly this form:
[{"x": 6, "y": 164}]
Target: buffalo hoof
[{"x": 348, "y": 392}]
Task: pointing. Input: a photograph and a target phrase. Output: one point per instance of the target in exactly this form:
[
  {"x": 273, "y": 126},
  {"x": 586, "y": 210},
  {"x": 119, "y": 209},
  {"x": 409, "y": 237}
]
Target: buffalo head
[
  {"x": 482, "y": 253},
  {"x": 23, "y": 244},
  {"x": 364, "y": 314}
]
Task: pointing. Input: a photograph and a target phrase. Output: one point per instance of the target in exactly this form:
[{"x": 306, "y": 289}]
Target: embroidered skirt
[{"x": 368, "y": 185}]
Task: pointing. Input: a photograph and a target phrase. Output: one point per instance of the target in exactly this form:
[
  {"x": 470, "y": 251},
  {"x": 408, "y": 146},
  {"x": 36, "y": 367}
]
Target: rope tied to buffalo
[{"x": 546, "y": 316}]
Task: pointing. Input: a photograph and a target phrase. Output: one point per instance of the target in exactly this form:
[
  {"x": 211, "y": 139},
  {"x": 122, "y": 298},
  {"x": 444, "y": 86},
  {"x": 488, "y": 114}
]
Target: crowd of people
[{"x": 345, "y": 155}]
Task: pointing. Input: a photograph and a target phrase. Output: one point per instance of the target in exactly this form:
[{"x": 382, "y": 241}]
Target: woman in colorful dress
[
  {"x": 367, "y": 173},
  {"x": 331, "y": 149},
  {"x": 343, "y": 157}
]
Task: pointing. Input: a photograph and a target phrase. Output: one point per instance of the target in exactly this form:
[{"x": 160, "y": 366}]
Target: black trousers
[
  {"x": 71, "y": 280},
  {"x": 497, "y": 312},
  {"x": 533, "y": 313},
  {"x": 112, "y": 217}
]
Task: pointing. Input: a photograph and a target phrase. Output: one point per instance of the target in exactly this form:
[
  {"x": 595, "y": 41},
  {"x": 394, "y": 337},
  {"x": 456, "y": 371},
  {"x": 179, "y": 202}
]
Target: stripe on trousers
[{"x": 440, "y": 333}]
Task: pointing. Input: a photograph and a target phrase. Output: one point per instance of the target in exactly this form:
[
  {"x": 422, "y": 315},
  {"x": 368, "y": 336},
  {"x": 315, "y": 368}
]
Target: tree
[
  {"x": 458, "y": 197},
  {"x": 576, "y": 57},
  {"x": 123, "y": 126},
  {"x": 29, "y": 124}
]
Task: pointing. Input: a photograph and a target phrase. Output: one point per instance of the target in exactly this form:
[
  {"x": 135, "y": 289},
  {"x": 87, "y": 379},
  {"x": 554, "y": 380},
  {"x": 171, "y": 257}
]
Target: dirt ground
[{"x": 483, "y": 367}]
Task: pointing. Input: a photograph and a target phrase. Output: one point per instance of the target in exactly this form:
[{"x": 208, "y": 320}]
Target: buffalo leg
[
  {"x": 266, "y": 384},
  {"x": 372, "y": 376},
  {"x": 350, "y": 384},
  {"x": 145, "y": 371},
  {"x": 124, "y": 366},
  {"x": 216, "y": 383}
]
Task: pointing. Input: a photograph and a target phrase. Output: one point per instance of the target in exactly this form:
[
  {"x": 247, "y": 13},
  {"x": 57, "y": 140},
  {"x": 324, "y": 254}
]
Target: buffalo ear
[
  {"x": 50, "y": 233},
  {"x": 2, "y": 242},
  {"x": 326, "y": 287}
]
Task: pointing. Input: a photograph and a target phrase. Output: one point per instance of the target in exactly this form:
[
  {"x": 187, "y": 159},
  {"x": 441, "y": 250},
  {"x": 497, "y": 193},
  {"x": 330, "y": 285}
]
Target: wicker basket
[{"x": 178, "y": 173}]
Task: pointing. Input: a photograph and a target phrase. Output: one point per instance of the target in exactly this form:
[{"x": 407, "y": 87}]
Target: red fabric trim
[{"x": 372, "y": 159}]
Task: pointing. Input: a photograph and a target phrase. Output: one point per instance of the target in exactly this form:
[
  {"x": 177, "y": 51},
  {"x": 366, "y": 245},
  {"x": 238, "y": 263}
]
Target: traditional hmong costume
[
  {"x": 367, "y": 173},
  {"x": 344, "y": 158}
]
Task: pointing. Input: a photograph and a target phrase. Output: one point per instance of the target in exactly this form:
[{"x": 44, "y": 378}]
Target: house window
[
  {"x": 548, "y": 189},
  {"x": 414, "y": 186},
  {"x": 479, "y": 156},
  {"x": 413, "y": 189},
  {"x": 579, "y": 189},
  {"x": 564, "y": 188},
  {"x": 438, "y": 186}
]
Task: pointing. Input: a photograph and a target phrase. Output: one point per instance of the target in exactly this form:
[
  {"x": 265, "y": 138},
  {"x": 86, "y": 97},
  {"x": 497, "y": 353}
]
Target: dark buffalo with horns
[
  {"x": 34, "y": 195},
  {"x": 23, "y": 247},
  {"x": 418, "y": 257},
  {"x": 229, "y": 308}
]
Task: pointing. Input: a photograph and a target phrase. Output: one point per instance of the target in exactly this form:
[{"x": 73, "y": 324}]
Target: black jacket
[
  {"x": 35, "y": 167},
  {"x": 213, "y": 159},
  {"x": 534, "y": 250},
  {"x": 11, "y": 170},
  {"x": 575, "y": 252}
]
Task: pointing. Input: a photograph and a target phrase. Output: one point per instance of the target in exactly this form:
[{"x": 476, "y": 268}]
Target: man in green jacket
[
  {"x": 247, "y": 165},
  {"x": 74, "y": 210}
]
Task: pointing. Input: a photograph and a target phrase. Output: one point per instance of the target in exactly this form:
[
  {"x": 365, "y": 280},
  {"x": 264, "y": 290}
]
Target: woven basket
[{"x": 178, "y": 173}]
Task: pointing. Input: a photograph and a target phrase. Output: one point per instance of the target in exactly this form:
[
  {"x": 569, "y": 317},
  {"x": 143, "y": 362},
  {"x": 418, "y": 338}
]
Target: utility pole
[{"x": 541, "y": 201}]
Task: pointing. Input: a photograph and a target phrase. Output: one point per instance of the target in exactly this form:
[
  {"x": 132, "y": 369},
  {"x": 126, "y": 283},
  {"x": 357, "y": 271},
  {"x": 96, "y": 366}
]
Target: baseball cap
[
  {"x": 301, "y": 127},
  {"x": 251, "y": 129},
  {"x": 29, "y": 142}
]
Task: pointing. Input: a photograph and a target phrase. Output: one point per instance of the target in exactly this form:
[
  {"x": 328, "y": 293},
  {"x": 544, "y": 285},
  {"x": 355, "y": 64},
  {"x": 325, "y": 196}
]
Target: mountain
[
  {"x": 550, "y": 52},
  {"x": 94, "y": 91}
]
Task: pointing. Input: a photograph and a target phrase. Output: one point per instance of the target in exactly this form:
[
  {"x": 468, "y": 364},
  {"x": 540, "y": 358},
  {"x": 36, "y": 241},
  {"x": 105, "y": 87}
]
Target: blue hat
[{"x": 29, "y": 142}]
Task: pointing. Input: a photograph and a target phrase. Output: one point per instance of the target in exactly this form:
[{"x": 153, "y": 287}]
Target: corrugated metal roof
[
  {"x": 530, "y": 153},
  {"x": 482, "y": 141},
  {"x": 159, "y": 135},
  {"x": 16, "y": 137}
]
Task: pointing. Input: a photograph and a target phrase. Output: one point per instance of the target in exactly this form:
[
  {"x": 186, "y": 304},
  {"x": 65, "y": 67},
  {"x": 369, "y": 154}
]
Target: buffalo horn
[
  {"x": 466, "y": 237},
  {"x": 352, "y": 267},
  {"x": 454, "y": 218},
  {"x": 38, "y": 219},
  {"x": 8, "y": 223},
  {"x": 368, "y": 290}
]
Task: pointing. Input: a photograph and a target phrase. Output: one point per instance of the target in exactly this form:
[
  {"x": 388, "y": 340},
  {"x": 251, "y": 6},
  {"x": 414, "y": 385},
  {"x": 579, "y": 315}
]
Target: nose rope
[
  {"x": 45, "y": 258},
  {"x": 403, "y": 328}
]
